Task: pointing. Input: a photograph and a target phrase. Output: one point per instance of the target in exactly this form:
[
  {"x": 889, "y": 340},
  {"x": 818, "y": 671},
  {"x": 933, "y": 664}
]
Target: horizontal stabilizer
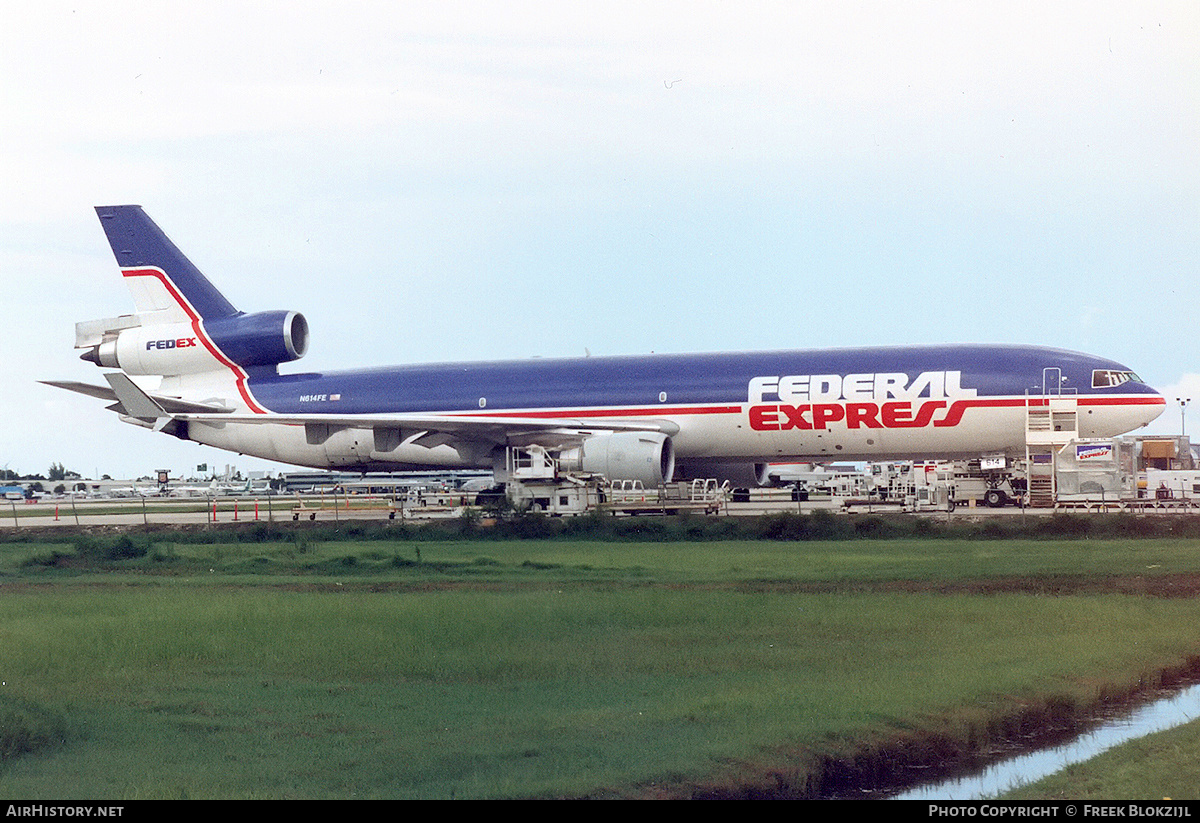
[{"x": 172, "y": 405}]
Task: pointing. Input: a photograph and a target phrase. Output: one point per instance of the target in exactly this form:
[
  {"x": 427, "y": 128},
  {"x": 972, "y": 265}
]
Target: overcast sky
[{"x": 460, "y": 181}]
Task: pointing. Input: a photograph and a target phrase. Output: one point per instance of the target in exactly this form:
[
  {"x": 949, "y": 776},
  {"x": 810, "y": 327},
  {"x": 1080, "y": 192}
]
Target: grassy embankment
[{"x": 152, "y": 666}]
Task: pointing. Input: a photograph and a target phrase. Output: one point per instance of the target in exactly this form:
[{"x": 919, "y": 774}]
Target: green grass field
[{"x": 155, "y": 667}]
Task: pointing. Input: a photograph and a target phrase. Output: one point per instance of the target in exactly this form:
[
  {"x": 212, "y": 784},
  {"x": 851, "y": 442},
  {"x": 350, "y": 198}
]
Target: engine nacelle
[
  {"x": 262, "y": 339},
  {"x": 648, "y": 457}
]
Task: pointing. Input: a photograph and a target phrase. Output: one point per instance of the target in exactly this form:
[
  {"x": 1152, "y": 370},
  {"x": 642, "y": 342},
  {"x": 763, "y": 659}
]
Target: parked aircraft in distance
[
  {"x": 129, "y": 491},
  {"x": 647, "y": 418}
]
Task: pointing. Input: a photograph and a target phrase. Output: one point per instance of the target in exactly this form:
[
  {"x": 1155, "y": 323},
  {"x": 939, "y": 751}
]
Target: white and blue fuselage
[{"x": 687, "y": 414}]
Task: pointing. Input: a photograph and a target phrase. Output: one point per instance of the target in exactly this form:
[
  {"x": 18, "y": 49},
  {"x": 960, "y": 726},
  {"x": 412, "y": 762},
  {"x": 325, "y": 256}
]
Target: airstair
[{"x": 1051, "y": 422}]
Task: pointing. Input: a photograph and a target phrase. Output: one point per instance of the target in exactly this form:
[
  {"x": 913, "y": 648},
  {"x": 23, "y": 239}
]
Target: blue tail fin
[{"x": 160, "y": 278}]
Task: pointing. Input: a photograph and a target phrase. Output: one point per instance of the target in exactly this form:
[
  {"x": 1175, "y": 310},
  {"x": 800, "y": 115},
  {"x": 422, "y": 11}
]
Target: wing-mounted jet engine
[{"x": 647, "y": 457}]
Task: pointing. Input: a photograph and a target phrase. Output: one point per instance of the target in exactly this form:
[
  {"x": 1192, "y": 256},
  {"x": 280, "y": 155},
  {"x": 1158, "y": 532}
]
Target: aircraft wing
[
  {"x": 159, "y": 410},
  {"x": 435, "y": 429}
]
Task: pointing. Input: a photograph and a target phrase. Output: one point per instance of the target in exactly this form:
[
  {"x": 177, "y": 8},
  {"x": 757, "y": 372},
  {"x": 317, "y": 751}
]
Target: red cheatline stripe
[
  {"x": 239, "y": 375},
  {"x": 648, "y": 412},
  {"x": 956, "y": 408},
  {"x": 1123, "y": 401}
]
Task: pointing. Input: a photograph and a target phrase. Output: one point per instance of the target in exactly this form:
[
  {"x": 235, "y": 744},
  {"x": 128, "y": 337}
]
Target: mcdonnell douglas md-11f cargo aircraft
[{"x": 647, "y": 418}]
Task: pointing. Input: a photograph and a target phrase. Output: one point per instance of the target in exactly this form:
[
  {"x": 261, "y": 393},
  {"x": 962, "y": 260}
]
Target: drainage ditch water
[{"x": 1167, "y": 713}]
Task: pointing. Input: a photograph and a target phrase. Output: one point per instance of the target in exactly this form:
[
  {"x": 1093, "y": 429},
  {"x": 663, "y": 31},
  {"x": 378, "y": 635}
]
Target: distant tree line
[{"x": 56, "y": 472}]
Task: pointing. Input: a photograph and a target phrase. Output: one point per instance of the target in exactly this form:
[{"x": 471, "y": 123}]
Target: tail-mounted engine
[{"x": 247, "y": 340}]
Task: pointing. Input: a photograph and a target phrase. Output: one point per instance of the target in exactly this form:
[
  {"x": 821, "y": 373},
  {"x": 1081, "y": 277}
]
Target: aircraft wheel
[{"x": 994, "y": 498}]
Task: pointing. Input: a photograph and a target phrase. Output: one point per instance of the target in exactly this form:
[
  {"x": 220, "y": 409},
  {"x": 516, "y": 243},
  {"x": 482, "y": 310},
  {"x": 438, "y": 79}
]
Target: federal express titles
[{"x": 886, "y": 400}]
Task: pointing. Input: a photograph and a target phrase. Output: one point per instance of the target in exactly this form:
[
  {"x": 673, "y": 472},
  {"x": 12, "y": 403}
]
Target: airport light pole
[{"x": 1183, "y": 402}]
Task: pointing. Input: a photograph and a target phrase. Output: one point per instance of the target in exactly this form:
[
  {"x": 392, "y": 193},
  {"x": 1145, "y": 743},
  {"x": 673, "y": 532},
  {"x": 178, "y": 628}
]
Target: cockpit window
[{"x": 1107, "y": 378}]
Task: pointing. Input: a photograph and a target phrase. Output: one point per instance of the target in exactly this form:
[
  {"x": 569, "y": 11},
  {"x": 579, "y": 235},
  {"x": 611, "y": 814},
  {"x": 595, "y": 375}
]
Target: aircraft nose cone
[
  {"x": 1155, "y": 405},
  {"x": 1133, "y": 407}
]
